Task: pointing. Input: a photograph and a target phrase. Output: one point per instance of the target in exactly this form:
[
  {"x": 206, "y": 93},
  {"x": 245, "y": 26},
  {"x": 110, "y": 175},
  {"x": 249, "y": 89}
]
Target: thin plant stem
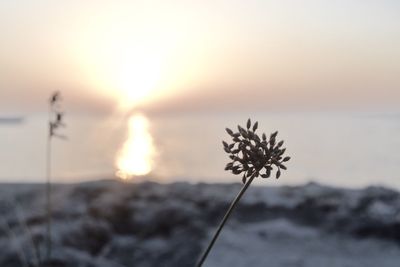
[
  {"x": 226, "y": 216},
  {"x": 48, "y": 192}
]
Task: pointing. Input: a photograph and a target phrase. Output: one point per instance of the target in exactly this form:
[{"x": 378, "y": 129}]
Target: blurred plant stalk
[{"x": 55, "y": 122}]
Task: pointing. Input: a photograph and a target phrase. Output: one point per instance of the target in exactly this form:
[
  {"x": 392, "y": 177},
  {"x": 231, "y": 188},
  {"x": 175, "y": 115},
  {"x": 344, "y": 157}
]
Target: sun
[
  {"x": 125, "y": 69},
  {"x": 137, "y": 77}
]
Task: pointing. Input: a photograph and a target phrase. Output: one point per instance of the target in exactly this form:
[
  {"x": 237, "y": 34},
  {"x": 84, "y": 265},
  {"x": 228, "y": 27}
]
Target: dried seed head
[
  {"x": 254, "y": 154},
  {"x": 57, "y": 115}
]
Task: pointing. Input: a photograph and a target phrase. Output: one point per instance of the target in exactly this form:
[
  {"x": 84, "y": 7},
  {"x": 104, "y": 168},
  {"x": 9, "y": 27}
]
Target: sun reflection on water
[{"x": 135, "y": 156}]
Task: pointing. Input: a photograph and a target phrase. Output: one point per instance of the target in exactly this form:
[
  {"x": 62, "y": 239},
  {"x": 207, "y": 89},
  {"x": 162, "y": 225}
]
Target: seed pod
[
  {"x": 236, "y": 171},
  {"x": 272, "y": 142},
  {"x": 281, "y": 151},
  {"x": 255, "y": 126},
  {"x": 280, "y": 144},
  {"x": 228, "y": 166},
  {"x": 244, "y": 134},
  {"x": 237, "y": 159},
  {"x": 229, "y": 131}
]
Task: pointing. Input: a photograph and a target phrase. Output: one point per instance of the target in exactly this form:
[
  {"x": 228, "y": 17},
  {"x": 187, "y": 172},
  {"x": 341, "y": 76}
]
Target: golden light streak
[{"x": 136, "y": 156}]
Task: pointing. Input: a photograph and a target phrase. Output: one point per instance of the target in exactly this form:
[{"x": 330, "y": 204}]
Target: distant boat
[{"x": 11, "y": 120}]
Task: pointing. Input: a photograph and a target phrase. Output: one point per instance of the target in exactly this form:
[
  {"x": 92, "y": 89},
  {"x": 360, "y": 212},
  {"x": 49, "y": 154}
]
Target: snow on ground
[{"x": 115, "y": 224}]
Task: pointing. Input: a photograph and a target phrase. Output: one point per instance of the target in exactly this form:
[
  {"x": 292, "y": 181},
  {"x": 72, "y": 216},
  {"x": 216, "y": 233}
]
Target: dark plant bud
[
  {"x": 229, "y": 131},
  {"x": 59, "y": 117},
  {"x": 241, "y": 130},
  {"x": 264, "y": 137},
  {"x": 237, "y": 159},
  {"x": 248, "y": 124},
  {"x": 225, "y": 144},
  {"x": 278, "y": 174},
  {"x": 272, "y": 142},
  {"x": 255, "y": 126},
  {"x": 268, "y": 167},
  {"x": 235, "y": 151},
  {"x": 286, "y": 159},
  {"x": 236, "y": 171},
  {"x": 282, "y": 151},
  {"x": 273, "y": 135},
  {"x": 280, "y": 144},
  {"x": 228, "y": 166},
  {"x": 244, "y": 179}
]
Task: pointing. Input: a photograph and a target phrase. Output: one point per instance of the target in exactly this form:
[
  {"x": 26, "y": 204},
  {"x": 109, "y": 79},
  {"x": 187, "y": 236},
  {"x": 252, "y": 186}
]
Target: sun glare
[
  {"x": 135, "y": 157},
  {"x": 137, "y": 78}
]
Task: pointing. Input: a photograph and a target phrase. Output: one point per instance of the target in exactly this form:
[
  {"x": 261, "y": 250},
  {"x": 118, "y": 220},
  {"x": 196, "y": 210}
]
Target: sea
[{"x": 346, "y": 149}]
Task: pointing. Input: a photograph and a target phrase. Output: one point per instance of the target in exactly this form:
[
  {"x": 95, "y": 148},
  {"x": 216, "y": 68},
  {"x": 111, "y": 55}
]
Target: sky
[{"x": 182, "y": 56}]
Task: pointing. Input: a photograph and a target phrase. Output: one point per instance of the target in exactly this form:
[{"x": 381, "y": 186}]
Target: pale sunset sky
[{"x": 180, "y": 56}]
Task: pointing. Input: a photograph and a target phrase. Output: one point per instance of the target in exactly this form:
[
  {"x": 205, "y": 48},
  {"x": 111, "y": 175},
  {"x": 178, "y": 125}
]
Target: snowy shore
[{"x": 114, "y": 224}]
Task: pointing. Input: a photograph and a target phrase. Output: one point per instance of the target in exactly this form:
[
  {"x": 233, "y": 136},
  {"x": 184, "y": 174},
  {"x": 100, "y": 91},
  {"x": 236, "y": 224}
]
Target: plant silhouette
[
  {"x": 251, "y": 156},
  {"x": 56, "y": 116}
]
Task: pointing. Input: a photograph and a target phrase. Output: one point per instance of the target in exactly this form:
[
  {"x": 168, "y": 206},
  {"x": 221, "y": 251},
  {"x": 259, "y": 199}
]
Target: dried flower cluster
[
  {"x": 56, "y": 121},
  {"x": 250, "y": 154}
]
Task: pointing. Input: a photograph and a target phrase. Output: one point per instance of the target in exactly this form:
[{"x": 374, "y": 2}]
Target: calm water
[{"x": 353, "y": 149}]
